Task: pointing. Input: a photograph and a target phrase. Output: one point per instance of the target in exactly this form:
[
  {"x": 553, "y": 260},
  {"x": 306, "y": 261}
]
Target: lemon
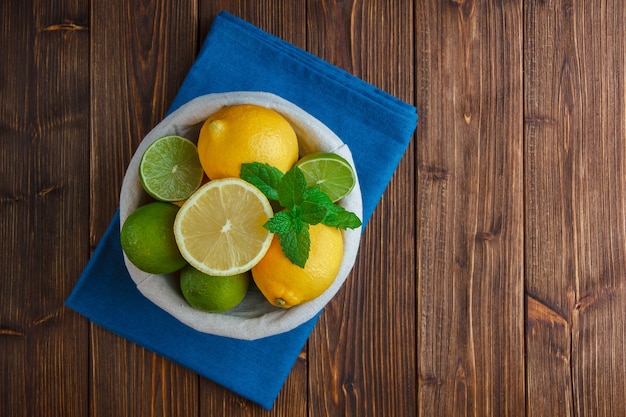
[
  {"x": 147, "y": 238},
  {"x": 285, "y": 284},
  {"x": 210, "y": 293},
  {"x": 245, "y": 133},
  {"x": 219, "y": 229}
]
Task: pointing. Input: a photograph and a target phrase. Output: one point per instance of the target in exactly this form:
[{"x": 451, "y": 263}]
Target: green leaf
[
  {"x": 315, "y": 205},
  {"x": 291, "y": 188},
  {"x": 296, "y": 245},
  {"x": 264, "y": 177},
  {"x": 318, "y": 197},
  {"x": 280, "y": 223},
  {"x": 334, "y": 215},
  {"x": 341, "y": 218},
  {"x": 312, "y": 213},
  {"x": 302, "y": 207},
  {"x": 296, "y": 218}
]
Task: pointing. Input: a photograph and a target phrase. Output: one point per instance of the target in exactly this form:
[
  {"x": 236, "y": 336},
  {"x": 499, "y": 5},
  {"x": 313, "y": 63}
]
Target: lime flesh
[
  {"x": 170, "y": 169},
  {"x": 329, "y": 172}
]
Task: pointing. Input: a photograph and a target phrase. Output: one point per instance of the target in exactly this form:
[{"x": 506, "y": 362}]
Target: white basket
[{"x": 255, "y": 317}]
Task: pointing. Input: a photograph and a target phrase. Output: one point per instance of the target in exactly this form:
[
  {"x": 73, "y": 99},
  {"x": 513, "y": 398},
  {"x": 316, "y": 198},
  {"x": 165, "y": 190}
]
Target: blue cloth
[{"x": 237, "y": 56}]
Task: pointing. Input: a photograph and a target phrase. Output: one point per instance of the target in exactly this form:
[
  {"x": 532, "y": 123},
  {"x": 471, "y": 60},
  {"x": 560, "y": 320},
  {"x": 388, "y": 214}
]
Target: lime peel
[
  {"x": 329, "y": 172},
  {"x": 170, "y": 169}
]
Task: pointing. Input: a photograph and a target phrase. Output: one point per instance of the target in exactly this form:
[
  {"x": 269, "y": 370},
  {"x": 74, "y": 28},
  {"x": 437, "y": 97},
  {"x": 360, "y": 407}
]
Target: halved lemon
[{"x": 219, "y": 229}]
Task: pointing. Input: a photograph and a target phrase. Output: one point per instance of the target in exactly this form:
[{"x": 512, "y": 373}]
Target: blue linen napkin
[{"x": 237, "y": 56}]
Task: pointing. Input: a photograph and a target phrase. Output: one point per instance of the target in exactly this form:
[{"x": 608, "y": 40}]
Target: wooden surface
[{"x": 491, "y": 279}]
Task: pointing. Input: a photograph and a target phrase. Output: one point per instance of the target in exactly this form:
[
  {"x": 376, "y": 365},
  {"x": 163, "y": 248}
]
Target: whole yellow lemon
[
  {"x": 245, "y": 133},
  {"x": 285, "y": 284}
]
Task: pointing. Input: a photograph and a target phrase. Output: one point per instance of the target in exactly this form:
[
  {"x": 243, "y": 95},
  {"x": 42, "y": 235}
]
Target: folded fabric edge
[
  {"x": 299, "y": 335},
  {"x": 265, "y": 402},
  {"x": 372, "y": 93},
  {"x": 325, "y": 69}
]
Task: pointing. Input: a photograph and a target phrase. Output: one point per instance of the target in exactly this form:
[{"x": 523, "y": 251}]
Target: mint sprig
[{"x": 300, "y": 206}]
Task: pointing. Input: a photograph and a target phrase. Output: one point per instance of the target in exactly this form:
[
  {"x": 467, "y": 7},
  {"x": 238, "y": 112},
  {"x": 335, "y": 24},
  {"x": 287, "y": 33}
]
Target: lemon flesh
[{"x": 219, "y": 229}]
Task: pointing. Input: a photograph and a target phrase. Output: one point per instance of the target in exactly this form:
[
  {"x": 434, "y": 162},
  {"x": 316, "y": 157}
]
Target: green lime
[
  {"x": 170, "y": 168},
  {"x": 147, "y": 238},
  {"x": 212, "y": 293},
  {"x": 329, "y": 172}
]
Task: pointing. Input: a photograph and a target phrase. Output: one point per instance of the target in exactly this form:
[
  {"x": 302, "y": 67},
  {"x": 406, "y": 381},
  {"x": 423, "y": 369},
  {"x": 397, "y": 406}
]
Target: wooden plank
[
  {"x": 575, "y": 164},
  {"x": 285, "y": 20},
  {"x": 218, "y": 401},
  {"x": 548, "y": 215},
  {"x": 362, "y": 352},
  {"x": 44, "y": 148},
  {"x": 470, "y": 343},
  {"x": 140, "y": 54}
]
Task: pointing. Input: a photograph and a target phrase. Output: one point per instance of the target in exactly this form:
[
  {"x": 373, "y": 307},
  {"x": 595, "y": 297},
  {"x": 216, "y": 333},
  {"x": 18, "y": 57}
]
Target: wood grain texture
[
  {"x": 140, "y": 54},
  {"x": 575, "y": 190},
  {"x": 362, "y": 350},
  {"x": 285, "y": 20},
  {"x": 490, "y": 279},
  {"x": 44, "y": 150},
  {"x": 469, "y": 211}
]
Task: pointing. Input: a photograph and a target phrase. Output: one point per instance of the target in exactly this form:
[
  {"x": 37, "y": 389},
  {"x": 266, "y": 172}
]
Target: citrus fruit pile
[{"x": 241, "y": 210}]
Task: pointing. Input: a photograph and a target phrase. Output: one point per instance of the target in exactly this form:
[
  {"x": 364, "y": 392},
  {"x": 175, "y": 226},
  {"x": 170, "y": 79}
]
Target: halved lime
[
  {"x": 329, "y": 172},
  {"x": 170, "y": 169}
]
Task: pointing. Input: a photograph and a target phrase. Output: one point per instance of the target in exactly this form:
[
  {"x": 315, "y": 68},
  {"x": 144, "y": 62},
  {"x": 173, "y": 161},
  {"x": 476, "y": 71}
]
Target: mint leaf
[
  {"x": 296, "y": 244},
  {"x": 318, "y": 197},
  {"x": 291, "y": 188},
  {"x": 264, "y": 177},
  {"x": 296, "y": 218},
  {"x": 280, "y": 223},
  {"x": 315, "y": 205},
  {"x": 337, "y": 216},
  {"x": 319, "y": 208},
  {"x": 296, "y": 207},
  {"x": 312, "y": 213}
]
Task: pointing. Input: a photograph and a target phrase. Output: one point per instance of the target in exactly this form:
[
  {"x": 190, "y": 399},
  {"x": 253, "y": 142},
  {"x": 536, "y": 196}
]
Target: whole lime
[
  {"x": 147, "y": 239},
  {"x": 210, "y": 293}
]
